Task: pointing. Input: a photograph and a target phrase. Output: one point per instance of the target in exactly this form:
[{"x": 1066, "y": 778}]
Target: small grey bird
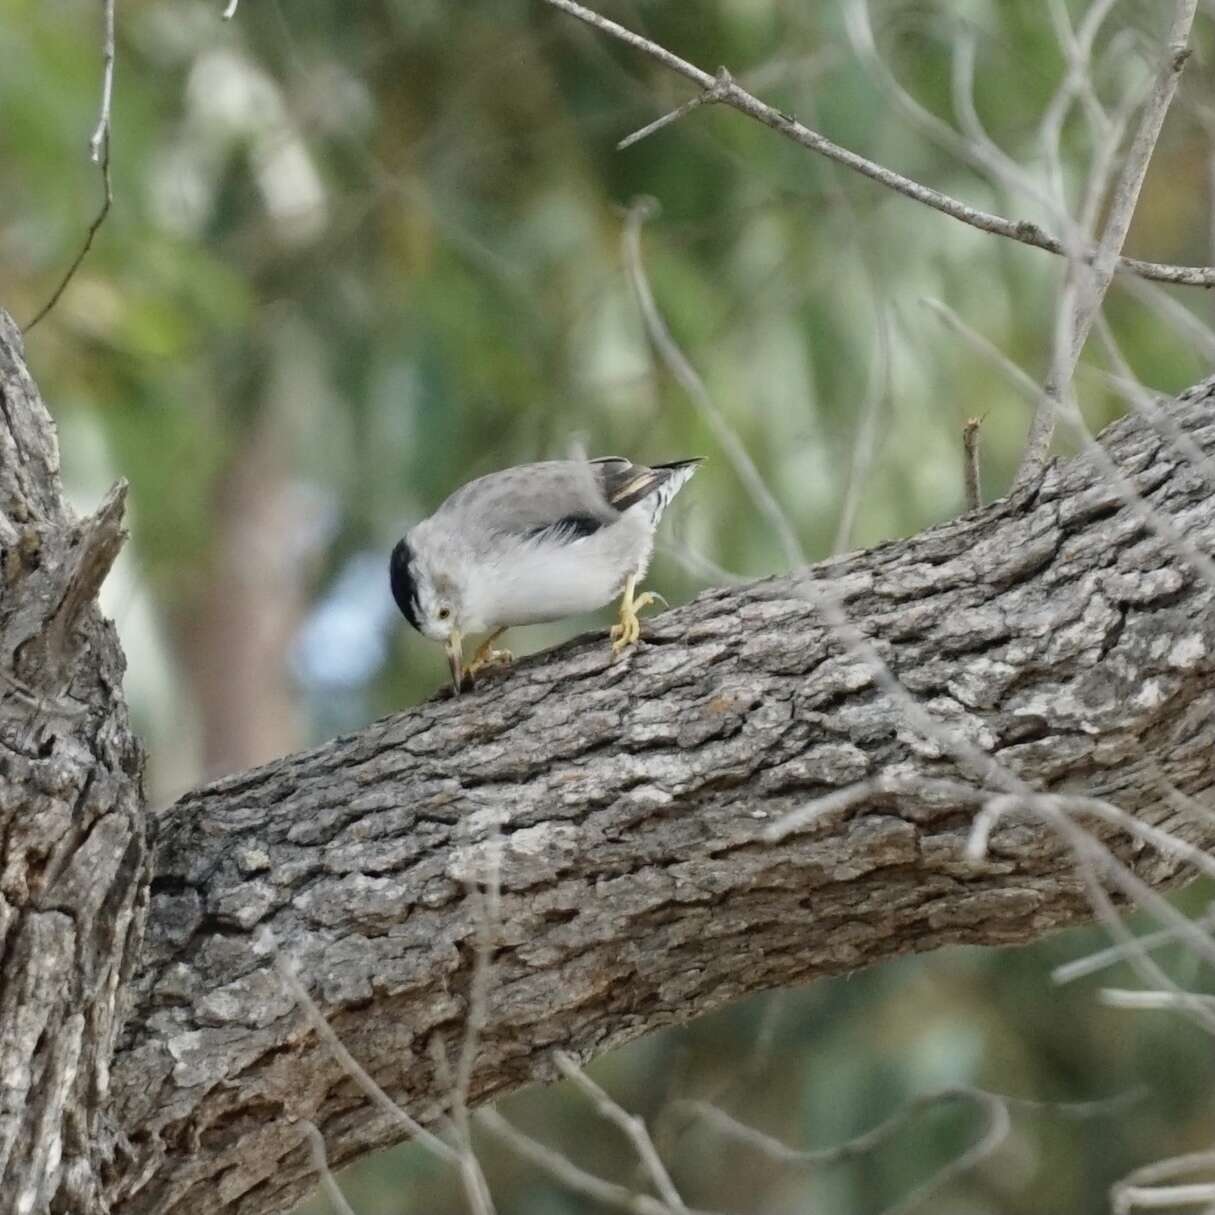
[{"x": 532, "y": 544}]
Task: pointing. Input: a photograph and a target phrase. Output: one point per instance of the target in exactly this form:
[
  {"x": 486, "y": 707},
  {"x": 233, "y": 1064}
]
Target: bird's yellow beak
[{"x": 455, "y": 659}]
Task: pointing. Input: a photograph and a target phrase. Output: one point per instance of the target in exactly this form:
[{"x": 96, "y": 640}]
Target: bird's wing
[{"x": 561, "y": 500}]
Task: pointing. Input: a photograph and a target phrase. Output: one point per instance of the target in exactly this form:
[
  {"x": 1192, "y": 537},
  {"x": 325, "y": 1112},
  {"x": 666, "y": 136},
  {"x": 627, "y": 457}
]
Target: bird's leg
[
  {"x": 628, "y": 630},
  {"x": 487, "y": 656}
]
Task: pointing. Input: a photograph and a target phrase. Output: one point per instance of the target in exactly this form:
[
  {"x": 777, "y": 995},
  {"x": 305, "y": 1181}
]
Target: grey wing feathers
[
  {"x": 625, "y": 484},
  {"x": 562, "y": 500}
]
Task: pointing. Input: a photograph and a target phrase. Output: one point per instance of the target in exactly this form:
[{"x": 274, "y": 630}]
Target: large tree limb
[{"x": 1056, "y": 633}]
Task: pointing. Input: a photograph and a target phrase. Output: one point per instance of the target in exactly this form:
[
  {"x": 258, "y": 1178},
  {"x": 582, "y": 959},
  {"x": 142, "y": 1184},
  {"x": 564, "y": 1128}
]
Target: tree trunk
[
  {"x": 235, "y": 632},
  {"x": 1058, "y": 643},
  {"x": 73, "y": 887}
]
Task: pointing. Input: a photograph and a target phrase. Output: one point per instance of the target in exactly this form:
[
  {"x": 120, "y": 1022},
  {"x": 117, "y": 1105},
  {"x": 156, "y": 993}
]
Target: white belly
[{"x": 541, "y": 582}]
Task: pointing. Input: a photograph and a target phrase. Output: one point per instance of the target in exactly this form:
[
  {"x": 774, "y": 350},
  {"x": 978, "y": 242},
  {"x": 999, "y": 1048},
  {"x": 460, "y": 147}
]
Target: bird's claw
[
  {"x": 487, "y": 659},
  {"x": 628, "y": 631}
]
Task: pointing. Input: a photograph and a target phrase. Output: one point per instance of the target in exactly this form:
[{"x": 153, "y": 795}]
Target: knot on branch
[{"x": 73, "y": 564}]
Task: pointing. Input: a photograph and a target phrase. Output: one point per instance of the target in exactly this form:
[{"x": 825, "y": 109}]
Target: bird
[{"x": 531, "y": 544}]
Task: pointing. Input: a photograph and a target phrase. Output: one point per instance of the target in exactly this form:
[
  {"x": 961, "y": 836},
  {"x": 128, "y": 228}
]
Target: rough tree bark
[
  {"x": 1055, "y": 632},
  {"x": 73, "y": 874}
]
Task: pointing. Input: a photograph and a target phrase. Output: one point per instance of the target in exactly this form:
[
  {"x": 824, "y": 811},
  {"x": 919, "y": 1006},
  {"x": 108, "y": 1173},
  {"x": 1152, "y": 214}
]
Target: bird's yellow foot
[
  {"x": 486, "y": 656},
  {"x": 628, "y": 631},
  {"x": 489, "y": 658}
]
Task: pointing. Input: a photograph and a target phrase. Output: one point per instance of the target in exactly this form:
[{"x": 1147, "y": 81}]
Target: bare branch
[
  {"x": 571, "y": 1176},
  {"x": 1090, "y": 282},
  {"x": 320, "y": 1162},
  {"x": 970, "y": 452},
  {"x": 99, "y": 151},
  {"x": 1141, "y": 1188},
  {"x": 101, "y": 133},
  {"x": 1156, "y": 1001},
  {"x": 1111, "y": 955},
  {"x": 406, "y": 787},
  {"x": 1164, "y": 528},
  {"x": 740, "y": 99},
  {"x": 1095, "y": 863},
  {"x": 1019, "y": 379},
  {"x": 476, "y": 1188},
  {"x": 1174, "y": 313},
  {"x": 706, "y": 98},
  {"x": 1142, "y": 402},
  {"x": 378, "y": 1097},
  {"x": 992, "y": 1107},
  {"x": 688, "y": 379},
  {"x": 633, "y": 1127}
]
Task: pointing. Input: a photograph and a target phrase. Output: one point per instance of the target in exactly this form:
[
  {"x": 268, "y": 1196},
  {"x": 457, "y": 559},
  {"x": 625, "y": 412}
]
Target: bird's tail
[{"x": 670, "y": 478}]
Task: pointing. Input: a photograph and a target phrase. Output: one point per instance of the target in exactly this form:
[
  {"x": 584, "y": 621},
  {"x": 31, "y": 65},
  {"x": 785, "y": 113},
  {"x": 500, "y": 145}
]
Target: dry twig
[
  {"x": 709, "y": 96},
  {"x": 99, "y": 151},
  {"x": 378, "y": 1097},
  {"x": 1142, "y": 1189},
  {"x": 688, "y": 379},
  {"x": 970, "y": 452},
  {"x": 571, "y": 1176},
  {"x": 320, "y": 1162},
  {"x": 992, "y": 1107},
  {"x": 1091, "y": 272},
  {"x": 1111, "y": 955},
  {"x": 632, "y": 1126},
  {"x": 740, "y": 99}
]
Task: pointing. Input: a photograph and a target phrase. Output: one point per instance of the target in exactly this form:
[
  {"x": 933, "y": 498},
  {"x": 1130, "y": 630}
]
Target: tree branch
[
  {"x": 73, "y": 893},
  {"x": 99, "y": 152},
  {"x": 1093, "y": 281},
  {"x": 970, "y": 463},
  {"x": 728, "y": 91},
  {"x": 631, "y": 801}
]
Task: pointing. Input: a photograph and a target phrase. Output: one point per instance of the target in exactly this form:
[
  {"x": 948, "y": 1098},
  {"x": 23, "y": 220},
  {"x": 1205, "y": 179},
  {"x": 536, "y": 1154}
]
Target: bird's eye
[{"x": 445, "y": 613}]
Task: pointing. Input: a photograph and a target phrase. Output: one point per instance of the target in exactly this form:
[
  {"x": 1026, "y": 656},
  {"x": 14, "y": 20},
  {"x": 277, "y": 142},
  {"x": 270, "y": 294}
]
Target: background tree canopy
[{"x": 361, "y": 253}]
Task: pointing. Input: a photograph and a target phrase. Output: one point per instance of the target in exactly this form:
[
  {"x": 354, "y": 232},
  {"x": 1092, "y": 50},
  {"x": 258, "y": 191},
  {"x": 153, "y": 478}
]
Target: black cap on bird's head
[{"x": 404, "y": 583}]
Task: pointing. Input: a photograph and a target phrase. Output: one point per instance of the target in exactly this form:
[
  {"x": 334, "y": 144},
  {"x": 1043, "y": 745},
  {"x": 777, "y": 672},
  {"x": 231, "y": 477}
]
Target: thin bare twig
[
  {"x": 868, "y": 433},
  {"x": 747, "y": 103},
  {"x": 633, "y": 1127},
  {"x": 694, "y": 386},
  {"x": 101, "y": 133},
  {"x": 1122, "y": 485},
  {"x": 708, "y": 97},
  {"x": 476, "y": 1187},
  {"x": 1111, "y": 955},
  {"x": 1019, "y": 379},
  {"x": 1095, "y": 862},
  {"x": 99, "y": 152},
  {"x": 1125, "y": 384},
  {"x": 1142, "y": 1189},
  {"x": 1173, "y": 312},
  {"x": 1089, "y": 282},
  {"x": 996, "y": 1125},
  {"x": 1156, "y": 1001},
  {"x": 566, "y": 1172},
  {"x": 970, "y": 469},
  {"x": 320, "y": 1162},
  {"x": 356, "y": 1071},
  {"x": 1156, "y": 1197}
]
